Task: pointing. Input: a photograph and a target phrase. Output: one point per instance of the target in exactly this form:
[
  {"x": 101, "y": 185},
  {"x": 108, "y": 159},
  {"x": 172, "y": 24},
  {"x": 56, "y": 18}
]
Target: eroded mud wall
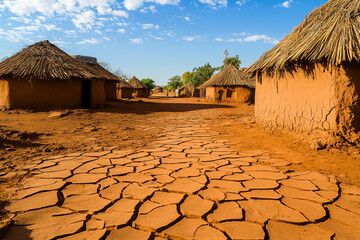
[
  {"x": 110, "y": 90},
  {"x": 229, "y": 94},
  {"x": 140, "y": 92},
  {"x": 4, "y": 94},
  {"x": 98, "y": 93},
  {"x": 298, "y": 101},
  {"x": 44, "y": 94},
  {"x": 124, "y": 93}
]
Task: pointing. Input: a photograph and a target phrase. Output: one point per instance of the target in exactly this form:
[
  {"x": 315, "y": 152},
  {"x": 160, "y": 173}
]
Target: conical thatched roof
[
  {"x": 135, "y": 83},
  {"x": 102, "y": 72},
  {"x": 124, "y": 84},
  {"x": 44, "y": 61},
  {"x": 230, "y": 76},
  {"x": 330, "y": 34}
]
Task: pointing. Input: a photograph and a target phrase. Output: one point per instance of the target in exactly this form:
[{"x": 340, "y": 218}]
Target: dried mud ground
[{"x": 27, "y": 136}]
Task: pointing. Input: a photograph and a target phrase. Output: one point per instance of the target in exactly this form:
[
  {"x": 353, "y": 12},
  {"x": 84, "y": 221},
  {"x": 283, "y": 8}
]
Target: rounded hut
[
  {"x": 230, "y": 85},
  {"x": 139, "y": 89},
  {"x": 311, "y": 79},
  {"x": 124, "y": 89},
  {"x": 44, "y": 76}
]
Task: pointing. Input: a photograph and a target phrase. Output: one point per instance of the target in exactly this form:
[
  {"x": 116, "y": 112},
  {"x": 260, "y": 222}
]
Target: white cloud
[
  {"x": 136, "y": 40},
  {"x": 187, "y": 19},
  {"x": 88, "y": 41},
  {"x": 120, "y": 13},
  {"x": 191, "y": 38},
  {"x": 132, "y": 5},
  {"x": 286, "y": 4},
  {"x": 150, "y": 26},
  {"x": 121, "y": 30},
  {"x": 106, "y": 38},
  {"x": 266, "y": 39},
  {"x": 241, "y": 2},
  {"x": 229, "y": 40},
  {"x": 84, "y": 20},
  {"x": 215, "y": 3}
]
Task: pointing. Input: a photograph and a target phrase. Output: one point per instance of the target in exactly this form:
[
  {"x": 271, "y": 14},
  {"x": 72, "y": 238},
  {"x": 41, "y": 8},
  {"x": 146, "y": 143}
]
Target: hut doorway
[{"x": 86, "y": 87}]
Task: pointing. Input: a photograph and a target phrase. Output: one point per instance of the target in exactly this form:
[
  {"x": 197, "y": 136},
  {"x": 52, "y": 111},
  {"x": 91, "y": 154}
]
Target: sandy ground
[{"x": 27, "y": 136}]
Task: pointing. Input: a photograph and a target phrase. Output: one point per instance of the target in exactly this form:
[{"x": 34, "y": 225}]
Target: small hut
[
  {"x": 110, "y": 80},
  {"x": 189, "y": 90},
  {"x": 311, "y": 79},
  {"x": 139, "y": 89},
  {"x": 230, "y": 85},
  {"x": 158, "y": 89},
  {"x": 124, "y": 89},
  {"x": 43, "y": 76}
]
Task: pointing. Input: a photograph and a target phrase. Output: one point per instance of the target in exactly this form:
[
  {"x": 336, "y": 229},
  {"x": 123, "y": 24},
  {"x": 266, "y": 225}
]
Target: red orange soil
[{"x": 25, "y": 136}]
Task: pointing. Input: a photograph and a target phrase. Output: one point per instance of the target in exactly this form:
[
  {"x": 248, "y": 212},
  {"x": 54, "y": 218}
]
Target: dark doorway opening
[
  {"x": 86, "y": 86},
  {"x": 229, "y": 93}
]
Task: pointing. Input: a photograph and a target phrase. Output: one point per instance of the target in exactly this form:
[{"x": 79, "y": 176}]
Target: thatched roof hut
[
  {"x": 139, "y": 89},
  {"x": 44, "y": 76},
  {"x": 189, "y": 90},
  {"x": 310, "y": 80},
  {"x": 124, "y": 89},
  {"x": 44, "y": 61},
  {"x": 330, "y": 34},
  {"x": 231, "y": 85}
]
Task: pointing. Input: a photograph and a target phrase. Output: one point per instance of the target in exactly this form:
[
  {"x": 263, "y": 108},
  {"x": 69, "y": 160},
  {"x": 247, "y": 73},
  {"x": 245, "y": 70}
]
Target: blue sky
[{"x": 157, "y": 39}]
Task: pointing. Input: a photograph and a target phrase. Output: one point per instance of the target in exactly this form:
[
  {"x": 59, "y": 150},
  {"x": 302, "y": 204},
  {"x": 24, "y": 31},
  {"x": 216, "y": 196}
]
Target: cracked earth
[{"x": 187, "y": 184}]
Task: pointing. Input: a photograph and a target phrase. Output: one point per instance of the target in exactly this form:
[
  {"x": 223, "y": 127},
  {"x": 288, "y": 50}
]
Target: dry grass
[
  {"x": 230, "y": 76},
  {"x": 330, "y": 34},
  {"x": 45, "y": 61}
]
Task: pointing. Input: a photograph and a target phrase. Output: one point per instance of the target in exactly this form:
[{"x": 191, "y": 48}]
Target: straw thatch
[
  {"x": 330, "y": 34},
  {"x": 44, "y": 61},
  {"x": 102, "y": 73},
  {"x": 230, "y": 76},
  {"x": 135, "y": 83},
  {"x": 123, "y": 84}
]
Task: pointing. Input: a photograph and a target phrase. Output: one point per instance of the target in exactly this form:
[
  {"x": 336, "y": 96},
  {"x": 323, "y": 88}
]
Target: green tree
[
  {"x": 202, "y": 74},
  {"x": 187, "y": 76},
  {"x": 235, "y": 61},
  {"x": 174, "y": 83},
  {"x": 148, "y": 82}
]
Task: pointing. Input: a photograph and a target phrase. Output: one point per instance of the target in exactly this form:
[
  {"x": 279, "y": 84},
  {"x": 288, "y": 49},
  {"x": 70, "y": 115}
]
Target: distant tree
[
  {"x": 174, "y": 83},
  {"x": 202, "y": 74},
  {"x": 235, "y": 61},
  {"x": 148, "y": 82},
  {"x": 120, "y": 74},
  {"x": 187, "y": 76},
  {"x": 4, "y": 58},
  {"x": 106, "y": 65}
]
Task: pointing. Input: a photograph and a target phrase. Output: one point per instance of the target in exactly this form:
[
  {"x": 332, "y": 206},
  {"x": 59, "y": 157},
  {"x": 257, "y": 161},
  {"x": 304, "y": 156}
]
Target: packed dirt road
[{"x": 219, "y": 145}]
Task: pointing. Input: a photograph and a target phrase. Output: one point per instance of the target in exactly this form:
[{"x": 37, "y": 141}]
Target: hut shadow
[{"x": 144, "y": 107}]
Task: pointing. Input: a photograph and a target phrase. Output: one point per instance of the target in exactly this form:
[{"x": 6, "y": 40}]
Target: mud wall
[
  {"x": 44, "y": 94},
  {"x": 297, "y": 101},
  {"x": 110, "y": 90},
  {"x": 4, "y": 94},
  {"x": 229, "y": 94},
  {"x": 98, "y": 93},
  {"x": 140, "y": 92},
  {"x": 124, "y": 93}
]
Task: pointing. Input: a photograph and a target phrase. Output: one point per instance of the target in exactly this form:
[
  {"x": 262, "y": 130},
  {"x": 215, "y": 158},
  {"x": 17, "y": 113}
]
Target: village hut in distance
[
  {"x": 110, "y": 80},
  {"x": 43, "y": 76},
  {"x": 230, "y": 85},
  {"x": 311, "y": 79},
  {"x": 124, "y": 89},
  {"x": 189, "y": 90},
  {"x": 139, "y": 89}
]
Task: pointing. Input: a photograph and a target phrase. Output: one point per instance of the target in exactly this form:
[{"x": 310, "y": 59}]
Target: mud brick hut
[
  {"x": 189, "y": 90},
  {"x": 311, "y": 79},
  {"x": 42, "y": 76},
  {"x": 124, "y": 89},
  {"x": 139, "y": 89},
  {"x": 230, "y": 85},
  {"x": 110, "y": 80}
]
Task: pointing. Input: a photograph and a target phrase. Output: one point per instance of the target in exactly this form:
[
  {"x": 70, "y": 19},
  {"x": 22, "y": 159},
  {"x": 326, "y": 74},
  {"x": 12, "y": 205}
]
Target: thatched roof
[
  {"x": 135, "y": 83},
  {"x": 44, "y": 61},
  {"x": 102, "y": 73},
  {"x": 330, "y": 34},
  {"x": 230, "y": 76},
  {"x": 124, "y": 84}
]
